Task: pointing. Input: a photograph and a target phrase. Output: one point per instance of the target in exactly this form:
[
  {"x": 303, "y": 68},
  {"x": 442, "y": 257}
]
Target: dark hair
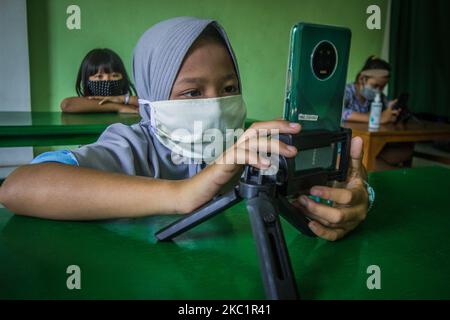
[
  {"x": 374, "y": 63},
  {"x": 104, "y": 60},
  {"x": 210, "y": 33}
]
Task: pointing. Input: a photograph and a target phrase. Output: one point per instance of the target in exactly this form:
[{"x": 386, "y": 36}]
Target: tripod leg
[
  {"x": 276, "y": 269},
  {"x": 204, "y": 213}
]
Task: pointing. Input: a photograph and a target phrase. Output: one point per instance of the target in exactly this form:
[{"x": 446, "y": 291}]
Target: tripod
[
  {"x": 267, "y": 196},
  {"x": 263, "y": 205}
]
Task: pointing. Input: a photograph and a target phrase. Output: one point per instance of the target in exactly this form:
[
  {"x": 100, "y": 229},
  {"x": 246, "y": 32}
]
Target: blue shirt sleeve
[
  {"x": 348, "y": 96},
  {"x": 61, "y": 156}
]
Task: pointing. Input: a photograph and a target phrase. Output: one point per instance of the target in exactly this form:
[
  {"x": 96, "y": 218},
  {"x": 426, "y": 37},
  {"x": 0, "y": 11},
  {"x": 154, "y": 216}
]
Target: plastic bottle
[{"x": 375, "y": 112}]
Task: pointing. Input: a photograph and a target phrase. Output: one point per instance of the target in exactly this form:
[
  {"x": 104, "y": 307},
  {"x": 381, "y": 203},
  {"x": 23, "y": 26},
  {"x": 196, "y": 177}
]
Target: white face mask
[{"x": 197, "y": 129}]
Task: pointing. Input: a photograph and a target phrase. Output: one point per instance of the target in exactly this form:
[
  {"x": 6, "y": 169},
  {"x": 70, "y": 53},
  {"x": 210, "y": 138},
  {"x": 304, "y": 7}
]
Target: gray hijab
[{"x": 134, "y": 150}]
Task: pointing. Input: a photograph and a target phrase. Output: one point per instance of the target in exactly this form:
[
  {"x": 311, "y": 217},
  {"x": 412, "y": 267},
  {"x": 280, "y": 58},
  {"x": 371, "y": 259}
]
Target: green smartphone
[{"x": 315, "y": 85}]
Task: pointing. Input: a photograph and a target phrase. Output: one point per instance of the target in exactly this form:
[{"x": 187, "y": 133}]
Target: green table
[
  {"x": 407, "y": 235},
  {"x": 42, "y": 129},
  {"x": 34, "y": 129}
]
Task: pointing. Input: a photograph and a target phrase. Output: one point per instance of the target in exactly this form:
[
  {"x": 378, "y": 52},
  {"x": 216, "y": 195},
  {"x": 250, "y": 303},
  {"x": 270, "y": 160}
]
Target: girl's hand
[
  {"x": 392, "y": 104},
  {"x": 111, "y": 99},
  {"x": 390, "y": 115},
  {"x": 204, "y": 186},
  {"x": 350, "y": 201},
  {"x": 255, "y": 143},
  {"x": 129, "y": 108},
  {"x": 119, "y": 100}
]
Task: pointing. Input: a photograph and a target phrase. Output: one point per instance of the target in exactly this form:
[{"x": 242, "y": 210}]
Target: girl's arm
[
  {"x": 359, "y": 117},
  {"x": 387, "y": 116},
  {"x": 84, "y": 104},
  {"x": 63, "y": 192},
  {"x": 132, "y": 100}
]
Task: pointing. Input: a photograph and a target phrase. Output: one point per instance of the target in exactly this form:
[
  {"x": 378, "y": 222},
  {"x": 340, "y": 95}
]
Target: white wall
[{"x": 14, "y": 74}]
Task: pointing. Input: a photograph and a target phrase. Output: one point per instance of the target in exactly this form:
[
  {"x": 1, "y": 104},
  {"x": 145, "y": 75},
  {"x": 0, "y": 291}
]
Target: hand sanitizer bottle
[{"x": 375, "y": 112}]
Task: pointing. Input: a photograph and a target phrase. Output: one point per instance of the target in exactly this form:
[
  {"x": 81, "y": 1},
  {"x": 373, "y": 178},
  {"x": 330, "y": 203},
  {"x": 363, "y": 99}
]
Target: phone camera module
[{"x": 324, "y": 60}]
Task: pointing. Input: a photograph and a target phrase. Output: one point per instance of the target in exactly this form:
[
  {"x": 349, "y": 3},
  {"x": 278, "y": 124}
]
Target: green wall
[{"x": 258, "y": 30}]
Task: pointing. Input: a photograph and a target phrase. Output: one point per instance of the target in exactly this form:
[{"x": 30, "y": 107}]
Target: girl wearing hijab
[
  {"x": 185, "y": 73},
  {"x": 102, "y": 85},
  {"x": 372, "y": 79}
]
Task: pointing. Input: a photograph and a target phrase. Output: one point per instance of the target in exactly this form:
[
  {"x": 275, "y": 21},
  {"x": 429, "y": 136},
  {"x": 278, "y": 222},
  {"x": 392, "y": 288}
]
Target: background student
[
  {"x": 102, "y": 85},
  {"x": 372, "y": 79}
]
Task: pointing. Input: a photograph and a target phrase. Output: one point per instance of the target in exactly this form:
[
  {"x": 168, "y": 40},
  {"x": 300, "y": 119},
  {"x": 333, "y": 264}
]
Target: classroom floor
[{"x": 427, "y": 148}]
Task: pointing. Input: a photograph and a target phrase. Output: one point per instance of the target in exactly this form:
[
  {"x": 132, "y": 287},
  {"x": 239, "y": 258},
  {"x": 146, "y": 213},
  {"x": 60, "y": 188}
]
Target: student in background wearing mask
[
  {"x": 372, "y": 79},
  {"x": 185, "y": 71},
  {"x": 102, "y": 85}
]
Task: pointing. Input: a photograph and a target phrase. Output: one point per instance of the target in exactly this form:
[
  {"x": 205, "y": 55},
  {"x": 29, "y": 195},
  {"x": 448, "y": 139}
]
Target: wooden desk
[
  {"x": 33, "y": 129},
  {"x": 375, "y": 140}
]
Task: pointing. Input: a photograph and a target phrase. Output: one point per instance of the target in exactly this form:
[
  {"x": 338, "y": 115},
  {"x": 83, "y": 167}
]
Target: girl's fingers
[
  {"x": 258, "y": 139},
  {"x": 308, "y": 214},
  {"x": 240, "y": 156},
  {"x": 348, "y": 196},
  {"x": 341, "y": 196},
  {"x": 325, "y": 229},
  {"x": 344, "y": 225},
  {"x": 330, "y": 234},
  {"x": 282, "y": 125},
  {"x": 333, "y": 215},
  {"x": 128, "y": 110},
  {"x": 356, "y": 154},
  {"x": 392, "y": 103},
  {"x": 266, "y": 145},
  {"x": 269, "y": 129}
]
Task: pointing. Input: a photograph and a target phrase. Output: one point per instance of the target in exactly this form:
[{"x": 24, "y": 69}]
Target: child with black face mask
[{"x": 102, "y": 85}]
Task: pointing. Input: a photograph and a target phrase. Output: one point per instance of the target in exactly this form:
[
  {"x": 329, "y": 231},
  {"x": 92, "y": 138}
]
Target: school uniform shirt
[
  {"x": 352, "y": 103},
  {"x": 129, "y": 150}
]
